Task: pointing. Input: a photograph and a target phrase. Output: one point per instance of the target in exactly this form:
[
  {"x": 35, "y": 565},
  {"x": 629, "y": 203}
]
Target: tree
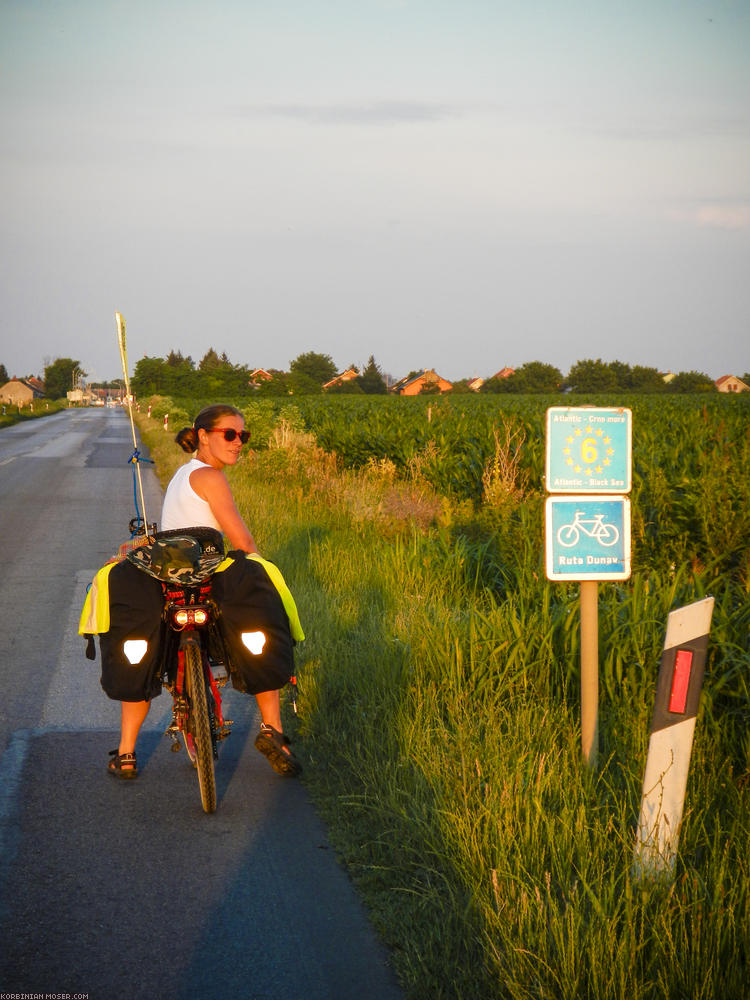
[
  {"x": 60, "y": 376},
  {"x": 460, "y": 387},
  {"x": 534, "y": 376},
  {"x": 309, "y": 372},
  {"x": 643, "y": 379},
  {"x": 151, "y": 376},
  {"x": 277, "y": 385},
  {"x": 692, "y": 382},
  {"x": 592, "y": 376},
  {"x": 371, "y": 380},
  {"x": 622, "y": 374},
  {"x": 318, "y": 367},
  {"x": 3, "y": 374},
  {"x": 179, "y": 375},
  {"x": 210, "y": 361},
  {"x": 175, "y": 359}
]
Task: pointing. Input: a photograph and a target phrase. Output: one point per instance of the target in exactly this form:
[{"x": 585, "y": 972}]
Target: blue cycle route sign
[
  {"x": 587, "y": 538},
  {"x": 589, "y": 449}
]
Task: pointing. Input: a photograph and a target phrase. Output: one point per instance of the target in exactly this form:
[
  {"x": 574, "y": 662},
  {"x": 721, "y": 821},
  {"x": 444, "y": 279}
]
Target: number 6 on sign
[{"x": 589, "y": 453}]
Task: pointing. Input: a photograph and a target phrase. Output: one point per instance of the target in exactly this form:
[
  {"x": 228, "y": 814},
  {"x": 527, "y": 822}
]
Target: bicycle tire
[
  {"x": 609, "y": 535},
  {"x": 568, "y": 535},
  {"x": 200, "y": 725}
]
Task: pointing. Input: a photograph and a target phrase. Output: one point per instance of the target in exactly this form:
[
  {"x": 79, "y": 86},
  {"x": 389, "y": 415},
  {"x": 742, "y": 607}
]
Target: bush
[{"x": 259, "y": 421}]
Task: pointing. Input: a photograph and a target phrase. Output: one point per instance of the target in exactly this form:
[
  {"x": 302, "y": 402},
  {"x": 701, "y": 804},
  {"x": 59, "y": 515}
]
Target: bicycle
[
  {"x": 594, "y": 527},
  {"x": 190, "y": 679},
  {"x": 172, "y": 612},
  {"x": 187, "y": 672}
]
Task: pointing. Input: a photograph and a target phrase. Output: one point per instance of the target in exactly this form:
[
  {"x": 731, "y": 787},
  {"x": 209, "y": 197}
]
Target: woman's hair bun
[{"x": 187, "y": 439}]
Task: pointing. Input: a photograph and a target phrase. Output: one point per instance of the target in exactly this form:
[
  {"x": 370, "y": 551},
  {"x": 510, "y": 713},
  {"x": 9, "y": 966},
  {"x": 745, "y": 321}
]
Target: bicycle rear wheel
[{"x": 199, "y": 725}]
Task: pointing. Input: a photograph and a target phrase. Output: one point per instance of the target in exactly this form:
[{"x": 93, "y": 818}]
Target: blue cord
[{"x": 134, "y": 459}]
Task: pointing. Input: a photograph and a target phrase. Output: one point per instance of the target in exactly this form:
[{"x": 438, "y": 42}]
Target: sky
[{"x": 450, "y": 184}]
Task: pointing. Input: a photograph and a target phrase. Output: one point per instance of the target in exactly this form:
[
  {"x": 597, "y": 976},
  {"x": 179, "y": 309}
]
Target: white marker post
[{"x": 670, "y": 746}]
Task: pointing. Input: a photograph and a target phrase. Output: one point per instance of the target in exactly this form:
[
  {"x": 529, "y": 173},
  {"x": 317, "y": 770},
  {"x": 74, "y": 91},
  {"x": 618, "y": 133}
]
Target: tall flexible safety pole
[{"x": 129, "y": 398}]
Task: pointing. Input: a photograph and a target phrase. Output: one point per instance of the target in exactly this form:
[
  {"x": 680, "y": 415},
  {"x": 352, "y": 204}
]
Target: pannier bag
[
  {"x": 124, "y": 605},
  {"x": 258, "y": 622},
  {"x": 255, "y": 633}
]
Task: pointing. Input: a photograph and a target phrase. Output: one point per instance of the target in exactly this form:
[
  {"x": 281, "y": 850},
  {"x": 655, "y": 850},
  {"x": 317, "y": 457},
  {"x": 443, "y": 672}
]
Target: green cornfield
[{"x": 439, "y": 687}]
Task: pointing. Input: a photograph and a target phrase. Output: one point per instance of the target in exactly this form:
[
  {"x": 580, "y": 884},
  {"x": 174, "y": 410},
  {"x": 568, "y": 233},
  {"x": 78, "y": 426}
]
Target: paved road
[{"x": 113, "y": 889}]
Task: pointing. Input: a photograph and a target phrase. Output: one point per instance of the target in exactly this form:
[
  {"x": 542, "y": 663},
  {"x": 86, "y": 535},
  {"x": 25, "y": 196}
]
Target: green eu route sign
[{"x": 589, "y": 449}]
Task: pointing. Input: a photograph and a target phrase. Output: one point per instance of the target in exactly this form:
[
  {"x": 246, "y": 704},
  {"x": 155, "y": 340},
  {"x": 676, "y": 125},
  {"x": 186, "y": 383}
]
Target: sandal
[
  {"x": 115, "y": 766},
  {"x": 273, "y": 745}
]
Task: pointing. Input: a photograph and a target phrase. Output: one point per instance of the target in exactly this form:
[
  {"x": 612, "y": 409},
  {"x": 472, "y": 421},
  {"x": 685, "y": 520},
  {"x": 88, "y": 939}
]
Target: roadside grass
[
  {"x": 14, "y": 415},
  {"x": 438, "y": 691}
]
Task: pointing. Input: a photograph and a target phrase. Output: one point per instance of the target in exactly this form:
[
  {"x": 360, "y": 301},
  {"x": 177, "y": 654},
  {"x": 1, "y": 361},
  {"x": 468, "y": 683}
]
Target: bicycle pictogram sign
[
  {"x": 588, "y": 538},
  {"x": 593, "y": 527}
]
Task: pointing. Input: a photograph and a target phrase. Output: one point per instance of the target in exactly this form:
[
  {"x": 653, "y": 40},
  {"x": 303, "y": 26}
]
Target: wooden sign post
[{"x": 588, "y": 532}]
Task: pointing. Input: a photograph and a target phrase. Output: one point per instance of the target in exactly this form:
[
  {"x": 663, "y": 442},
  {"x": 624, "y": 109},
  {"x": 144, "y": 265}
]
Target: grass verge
[{"x": 439, "y": 725}]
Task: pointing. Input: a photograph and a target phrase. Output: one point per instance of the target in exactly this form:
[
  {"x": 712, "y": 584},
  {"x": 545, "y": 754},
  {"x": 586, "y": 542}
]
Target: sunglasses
[{"x": 230, "y": 434}]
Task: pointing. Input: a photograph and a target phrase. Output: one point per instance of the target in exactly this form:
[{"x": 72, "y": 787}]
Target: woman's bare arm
[{"x": 211, "y": 485}]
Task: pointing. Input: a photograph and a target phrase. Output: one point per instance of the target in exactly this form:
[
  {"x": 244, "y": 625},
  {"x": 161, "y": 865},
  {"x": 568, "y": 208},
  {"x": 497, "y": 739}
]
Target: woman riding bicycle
[{"x": 199, "y": 495}]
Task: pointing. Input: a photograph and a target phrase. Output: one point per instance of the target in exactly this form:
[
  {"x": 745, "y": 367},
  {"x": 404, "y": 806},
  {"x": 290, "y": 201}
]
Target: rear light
[
  {"x": 135, "y": 650},
  {"x": 190, "y": 616},
  {"x": 254, "y": 641}
]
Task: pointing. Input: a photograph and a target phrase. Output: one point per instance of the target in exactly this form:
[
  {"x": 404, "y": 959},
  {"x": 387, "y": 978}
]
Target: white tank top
[{"x": 183, "y": 508}]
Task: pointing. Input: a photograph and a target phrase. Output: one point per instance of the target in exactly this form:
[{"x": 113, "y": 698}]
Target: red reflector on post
[{"x": 683, "y": 661}]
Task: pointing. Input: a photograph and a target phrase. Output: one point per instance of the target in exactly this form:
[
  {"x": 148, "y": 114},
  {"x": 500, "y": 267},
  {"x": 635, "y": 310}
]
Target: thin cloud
[
  {"x": 371, "y": 113},
  {"x": 714, "y": 215},
  {"x": 723, "y": 216},
  {"x": 672, "y": 127}
]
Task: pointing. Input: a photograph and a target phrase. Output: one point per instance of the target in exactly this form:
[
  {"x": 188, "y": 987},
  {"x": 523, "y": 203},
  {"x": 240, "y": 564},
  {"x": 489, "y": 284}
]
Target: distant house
[
  {"x": 36, "y": 384},
  {"x": 503, "y": 373},
  {"x": 258, "y": 376},
  {"x": 667, "y": 377},
  {"x": 475, "y": 384},
  {"x": 21, "y": 391},
  {"x": 412, "y": 385},
  {"x": 730, "y": 383},
  {"x": 100, "y": 396},
  {"x": 347, "y": 376}
]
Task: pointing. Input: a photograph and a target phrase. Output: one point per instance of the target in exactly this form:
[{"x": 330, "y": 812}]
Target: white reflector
[
  {"x": 135, "y": 649},
  {"x": 255, "y": 641}
]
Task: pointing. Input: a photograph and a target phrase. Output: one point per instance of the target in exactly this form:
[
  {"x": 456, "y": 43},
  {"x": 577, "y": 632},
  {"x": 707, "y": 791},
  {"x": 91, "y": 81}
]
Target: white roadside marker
[{"x": 670, "y": 746}]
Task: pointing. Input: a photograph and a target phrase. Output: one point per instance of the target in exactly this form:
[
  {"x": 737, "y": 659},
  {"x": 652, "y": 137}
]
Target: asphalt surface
[{"x": 114, "y": 889}]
